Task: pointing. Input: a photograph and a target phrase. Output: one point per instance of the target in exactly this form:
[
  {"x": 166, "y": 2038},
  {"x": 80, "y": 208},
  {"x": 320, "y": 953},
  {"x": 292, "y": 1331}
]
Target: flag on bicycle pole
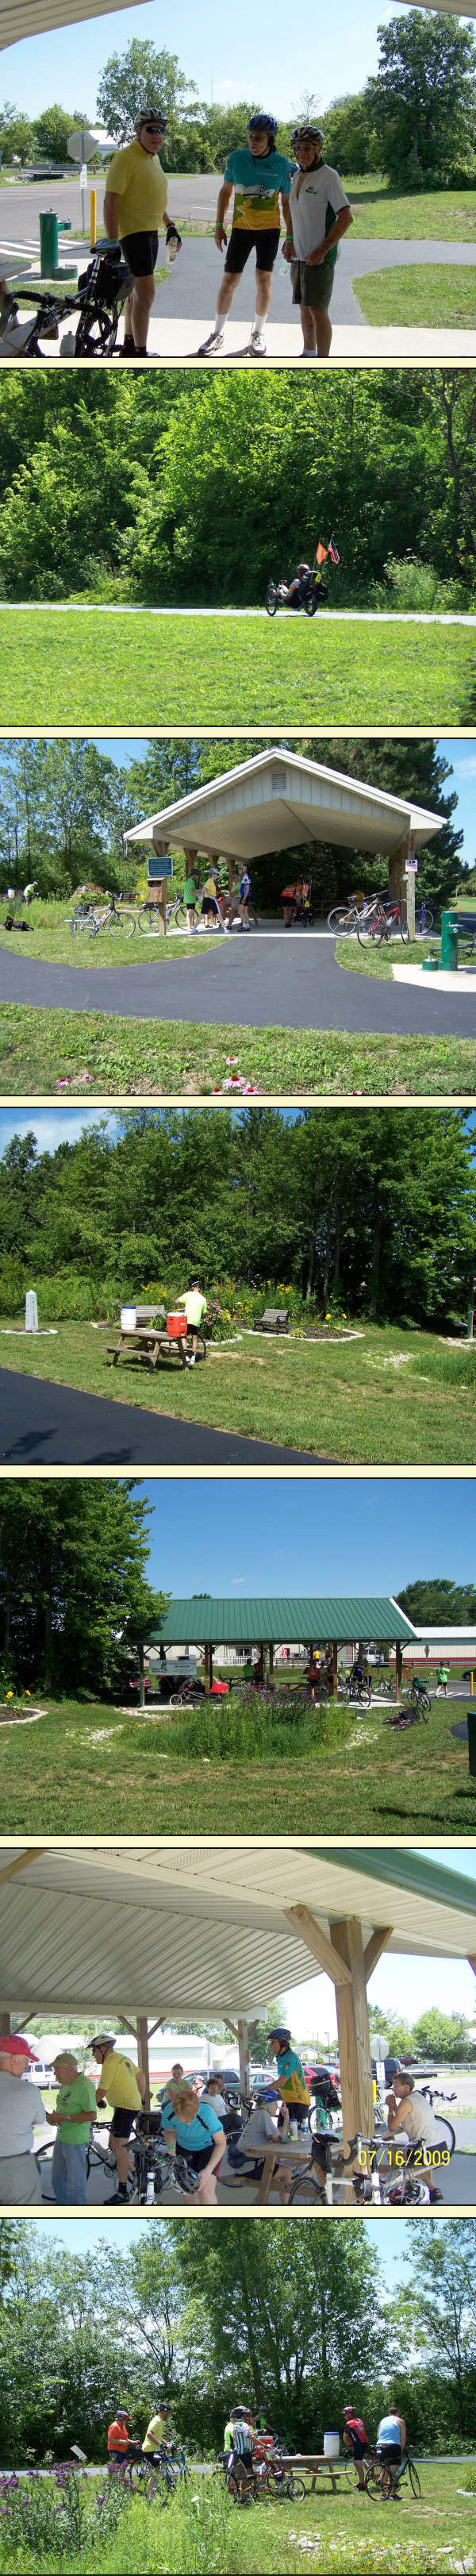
[
  {"x": 332, "y": 551},
  {"x": 321, "y": 552}
]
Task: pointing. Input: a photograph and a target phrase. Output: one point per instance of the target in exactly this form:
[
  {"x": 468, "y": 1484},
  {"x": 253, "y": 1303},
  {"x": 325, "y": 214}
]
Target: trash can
[
  {"x": 471, "y": 1717},
  {"x": 331, "y": 2446},
  {"x": 449, "y": 941}
]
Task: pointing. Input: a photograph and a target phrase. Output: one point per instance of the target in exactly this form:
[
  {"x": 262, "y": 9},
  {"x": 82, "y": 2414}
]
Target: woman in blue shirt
[{"x": 195, "y": 2129}]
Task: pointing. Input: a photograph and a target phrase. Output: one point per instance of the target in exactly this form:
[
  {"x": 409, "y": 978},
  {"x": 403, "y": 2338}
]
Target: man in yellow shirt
[
  {"x": 124, "y": 2086},
  {"x": 134, "y": 211},
  {"x": 159, "y": 2430}
]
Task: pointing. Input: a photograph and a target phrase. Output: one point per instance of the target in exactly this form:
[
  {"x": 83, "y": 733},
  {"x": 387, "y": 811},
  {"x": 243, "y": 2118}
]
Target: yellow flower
[{"x": 9, "y": 1694}]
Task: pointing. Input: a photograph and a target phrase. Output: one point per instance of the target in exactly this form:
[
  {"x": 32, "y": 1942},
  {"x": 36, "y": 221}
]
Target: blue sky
[{"x": 225, "y": 51}]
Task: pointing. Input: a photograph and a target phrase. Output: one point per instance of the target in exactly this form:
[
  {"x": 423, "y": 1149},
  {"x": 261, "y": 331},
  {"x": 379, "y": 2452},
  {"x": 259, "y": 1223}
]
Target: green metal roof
[
  {"x": 406, "y": 1869},
  {"x": 278, "y": 1621}
]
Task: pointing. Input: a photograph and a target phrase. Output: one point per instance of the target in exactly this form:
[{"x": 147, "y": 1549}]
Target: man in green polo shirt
[
  {"x": 74, "y": 2111},
  {"x": 134, "y": 213}
]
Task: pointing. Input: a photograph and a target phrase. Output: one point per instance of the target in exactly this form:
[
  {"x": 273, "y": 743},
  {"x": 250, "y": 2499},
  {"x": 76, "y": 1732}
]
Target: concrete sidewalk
[{"x": 176, "y": 342}]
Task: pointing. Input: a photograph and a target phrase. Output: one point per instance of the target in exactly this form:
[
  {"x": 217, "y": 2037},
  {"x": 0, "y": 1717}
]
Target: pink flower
[{"x": 63, "y": 1084}]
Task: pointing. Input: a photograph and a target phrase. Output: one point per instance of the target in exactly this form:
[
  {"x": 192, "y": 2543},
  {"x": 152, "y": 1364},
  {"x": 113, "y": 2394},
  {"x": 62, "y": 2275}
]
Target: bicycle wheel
[
  {"x": 271, "y": 599},
  {"x": 370, "y": 929},
  {"x": 307, "y": 2189},
  {"x": 343, "y": 918},
  {"x": 414, "y": 2478},
  {"x": 122, "y": 924},
  {"x": 180, "y": 916},
  {"x": 147, "y": 919},
  {"x": 310, "y": 604},
  {"x": 80, "y": 921},
  {"x": 294, "y": 2487},
  {"x": 426, "y": 919},
  {"x": 352, "y": 2477}
]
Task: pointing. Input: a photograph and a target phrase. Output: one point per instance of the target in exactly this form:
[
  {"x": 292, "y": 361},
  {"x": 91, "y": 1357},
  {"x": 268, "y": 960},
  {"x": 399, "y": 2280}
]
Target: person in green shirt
[
  {"x": 159, "y": 2430},
  {"x": 442, "y": 1679},
  {"x": 195, "y": 1306},
  {"x": 75, "y": 2108}
]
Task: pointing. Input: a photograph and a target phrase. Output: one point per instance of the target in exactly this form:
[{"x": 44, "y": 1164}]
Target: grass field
[
  {"x": 379, "y": 961},
  {"x": 79, "y": 1760},
  {"x": 202, "y": 2529},
  {"x": 50, "y": 938},
  {"x": 71, "y": 669},
  {"x": 381, "y": 213},
  {"x": 40, "y": 1048},
  {"x": 391, "y": 1398},
  {"x": 432, "y": 298}
]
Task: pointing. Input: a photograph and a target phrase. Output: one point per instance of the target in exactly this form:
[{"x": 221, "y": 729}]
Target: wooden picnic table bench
[
  {"x": 147, "y": 1342},
  {"x": 289, "y": 2151},
  {"x": 313, "y": 2463}
]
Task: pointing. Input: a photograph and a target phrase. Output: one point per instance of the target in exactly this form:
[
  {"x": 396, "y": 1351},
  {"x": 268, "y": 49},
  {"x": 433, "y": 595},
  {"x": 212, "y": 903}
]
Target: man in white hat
[{"x": 21, "y": 2111}]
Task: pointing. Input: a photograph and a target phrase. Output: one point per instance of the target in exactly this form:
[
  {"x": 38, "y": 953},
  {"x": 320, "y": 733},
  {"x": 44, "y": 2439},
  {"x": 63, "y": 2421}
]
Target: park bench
[
  {"x": 274, "y": 1320},
  {"x": 314, "y": 2464}
]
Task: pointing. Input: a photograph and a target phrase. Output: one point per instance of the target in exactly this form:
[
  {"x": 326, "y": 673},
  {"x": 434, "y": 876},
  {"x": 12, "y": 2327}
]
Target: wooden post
[
  {"x": 395, "y": 870},
  {"x": 208, "y": 1660},
  {"x": 271, "y": 1658},
  {"x": 141, "y": 1674},
  {"x": 143, "y": 2056},
  {"x": 244, "y": 2055},
  {"x": 158, "y": 888},
  {"x": 335, "y": 1669},
  {"x": 398, "y": 1672},
  {"x": 353, "y": 2032},
  {"x": 5, "y": 2025},
  {"x": 408, "y": 888}
]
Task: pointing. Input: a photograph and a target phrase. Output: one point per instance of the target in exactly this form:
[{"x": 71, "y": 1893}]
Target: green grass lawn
[
  {"x": 49, "y": 937},
  {"x": 343, "y": 2532},
  {"x": 111, "y": 1056},
  {"x": 432, "y": 298},
  {"x": 381, "y": 213},
  {"x": 392, "y": 1398},
  {"x": 68, "y": 670},
  {"x": 380, "y": 961},
  {"x": 81, "y": 1760}
]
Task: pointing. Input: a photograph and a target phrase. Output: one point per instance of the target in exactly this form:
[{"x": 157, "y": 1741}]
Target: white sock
[
  {"x": 257, "y": 326},
  {"x": 219, "y": 323}
]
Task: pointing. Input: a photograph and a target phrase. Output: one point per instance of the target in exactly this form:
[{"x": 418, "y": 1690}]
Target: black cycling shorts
[
  {"x": 265, "y": 243},
  {"x": 121, "y": 2124},
  {"x": 140, "y": 251},
  {"x": 390, "y": 2454}
]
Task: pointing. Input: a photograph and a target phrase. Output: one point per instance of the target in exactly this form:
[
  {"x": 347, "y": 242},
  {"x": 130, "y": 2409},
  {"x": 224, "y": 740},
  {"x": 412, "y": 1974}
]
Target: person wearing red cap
[{"x": 20, "y": 2113}]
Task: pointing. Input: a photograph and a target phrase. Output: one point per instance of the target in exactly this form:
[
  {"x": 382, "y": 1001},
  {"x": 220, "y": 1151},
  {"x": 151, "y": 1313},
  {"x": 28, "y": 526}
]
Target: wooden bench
[
  {"x": 274, "y": 1320},
  {"x": 313, "y": 2464}
]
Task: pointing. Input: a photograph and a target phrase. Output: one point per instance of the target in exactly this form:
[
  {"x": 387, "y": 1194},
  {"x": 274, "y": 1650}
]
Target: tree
[
  {"x": 52, "y": 128},
  {"x": 437, "y": 1601},
  {"x": 16, "y": 134},
  {"x": 294, "y": 2313},
  {"x": 440, "y": 2305},
  {"x": 351, "y": 141},
  {"x": 140, "y": 77},
  {"x": 443, "y": 2036},
  {"x": 74, "y": 1595},
  {"x": 422, "y": 100}
]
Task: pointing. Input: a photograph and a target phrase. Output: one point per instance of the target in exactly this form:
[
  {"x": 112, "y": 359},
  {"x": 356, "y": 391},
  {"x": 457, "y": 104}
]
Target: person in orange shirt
[{"x": 119, "y": 2440}]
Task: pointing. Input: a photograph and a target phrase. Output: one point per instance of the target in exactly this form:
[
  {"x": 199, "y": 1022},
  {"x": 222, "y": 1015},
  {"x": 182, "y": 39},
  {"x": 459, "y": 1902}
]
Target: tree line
[
  {"x": 183, "y": 489},
  {"x": 74, "y": 1589},
  {"x": 65, "y": 806},
  {"x": 294, "y": 2320},
  {"x": 413, "y": 121},
  {"x": 377, "y": 1214}
]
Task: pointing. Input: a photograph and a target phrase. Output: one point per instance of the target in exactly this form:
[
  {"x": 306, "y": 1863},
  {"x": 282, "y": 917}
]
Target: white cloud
[{"x": 237, "y": 1578}]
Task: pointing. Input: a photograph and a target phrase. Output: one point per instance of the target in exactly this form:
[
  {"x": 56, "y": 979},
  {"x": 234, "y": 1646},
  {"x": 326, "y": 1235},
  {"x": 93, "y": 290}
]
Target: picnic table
[
  {"x": 147, "y": 1339},
  {"x": 290, "y": 2152},
  {"x": 312, "y": 2463}
]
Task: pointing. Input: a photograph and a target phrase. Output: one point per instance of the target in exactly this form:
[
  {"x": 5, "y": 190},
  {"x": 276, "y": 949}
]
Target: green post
[
  {"x": 141, "y": 1675},
  {"x": 449, "y": 941},
  {"x": 471, "y": 1717},
  {"x": 48, "y": 243}
]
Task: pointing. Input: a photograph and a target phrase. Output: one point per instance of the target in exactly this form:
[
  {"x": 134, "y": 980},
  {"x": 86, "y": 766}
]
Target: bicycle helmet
[
  {"x": 262, "y": 124},
  {"x": 279, "y": 2033},
  {"x": 303, "y": 567},
  {"x": 152, "y": 116},
  {"x": 308, "y": 134}
]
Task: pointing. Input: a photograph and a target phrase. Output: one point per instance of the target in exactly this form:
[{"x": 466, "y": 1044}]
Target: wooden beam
[
  {"x": 472, "y": 1963},
  {"x": 335, "y": 1669},
  {"x": 398, "y": 1671},
  {"x": 143, "y": 2056},
  {"x": 379, "y": 1941},
  {"x": 23, "y": 1861},
  {"x": 304, "y": 1923},
  {"x": 230, "y": 2025},
  {"x": 353, "y": 2032},
  {"x": 244, "y": 2054}
]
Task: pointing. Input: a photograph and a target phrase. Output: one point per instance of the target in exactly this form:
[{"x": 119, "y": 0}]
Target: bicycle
[
  {"x": 357, "y": 1693},
  {"x": 345, "y": 917},
  {"x": 380, "y": 2160},
  {"x": 425, "y": 918},
  {"x": 313, "y": 597},
  {"x": 415, "y": 1709},
  {"x": 381, "y": 922},
  {"x": 113, "y": 917},
  {"x": 282, "y": 2484},
  {"x": 308, "y": 2184},
  {"x": 407, "y": 2469}
]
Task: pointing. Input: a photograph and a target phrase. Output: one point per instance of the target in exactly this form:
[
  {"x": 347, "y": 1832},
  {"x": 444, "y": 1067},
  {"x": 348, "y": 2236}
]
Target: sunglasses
[{"x": 150, "y": 128}]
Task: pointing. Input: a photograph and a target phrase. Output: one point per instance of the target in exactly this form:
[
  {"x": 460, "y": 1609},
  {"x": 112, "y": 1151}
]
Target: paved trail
[
  {"x": 302, "y": 988},
  {"x": 44, "y": 1424}
]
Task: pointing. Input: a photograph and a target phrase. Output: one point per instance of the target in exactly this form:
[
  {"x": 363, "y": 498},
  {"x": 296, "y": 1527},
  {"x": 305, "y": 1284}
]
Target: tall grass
[{"x": 201, "y": 2531}]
